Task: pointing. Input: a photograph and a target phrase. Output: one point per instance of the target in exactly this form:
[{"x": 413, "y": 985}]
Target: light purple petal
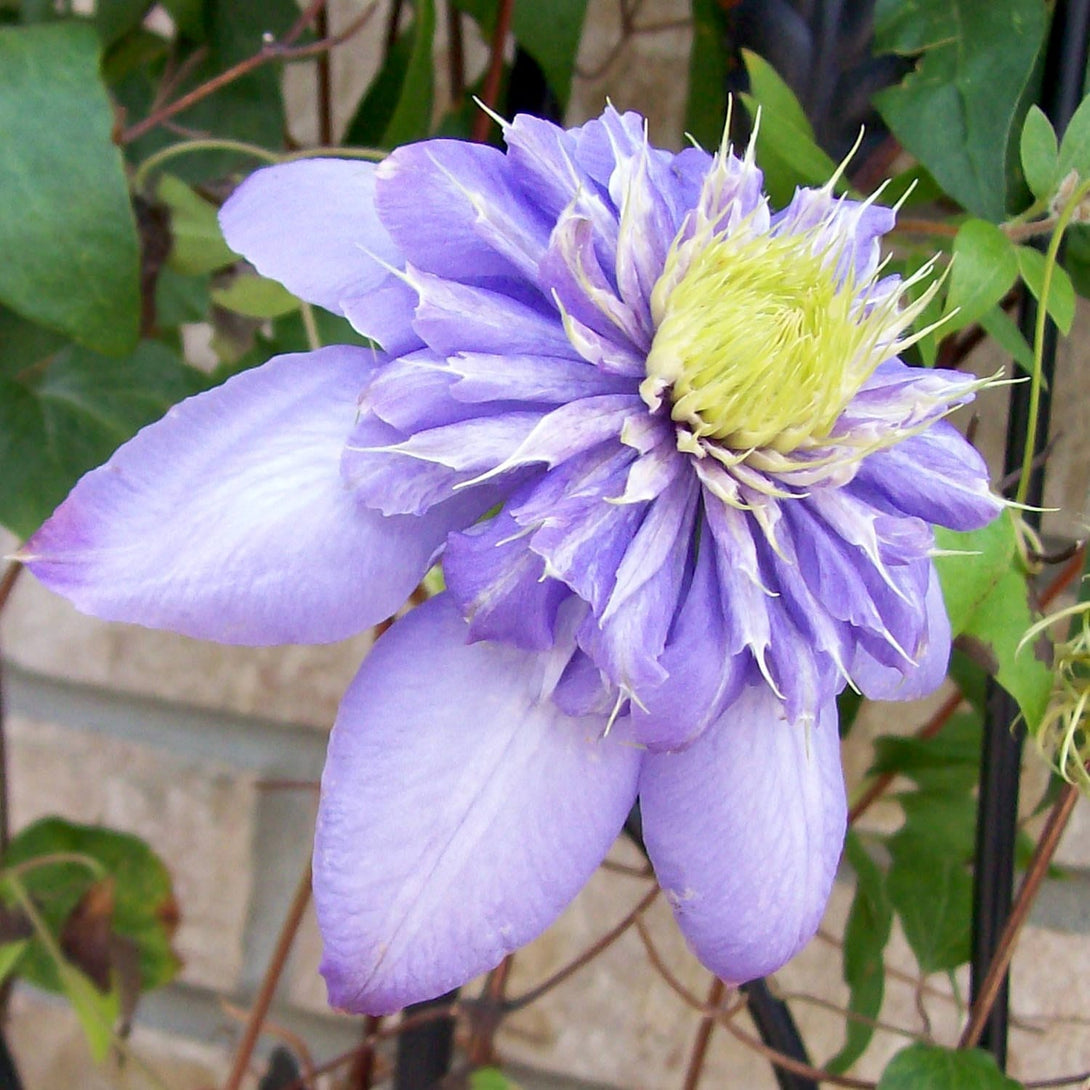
[
  {"x": 550, "y": 380},
  {"x": 312, "y": 225},
  {"x": 408, "y": 475},
  {"x": 500, "y": 585},
  {"x": 703, "y": 676},
  {"x": 938, "y": 476},
  {"x": 461, "y": 811},
  {"x": 453, "y": 211},
  {"x": 229, "y": 519},
  {"x": 744, "y": 829},
  {"x": 453, "y": 317},
  {"x": 627, "y": 637},
  {"x": 931, "y": 654}
]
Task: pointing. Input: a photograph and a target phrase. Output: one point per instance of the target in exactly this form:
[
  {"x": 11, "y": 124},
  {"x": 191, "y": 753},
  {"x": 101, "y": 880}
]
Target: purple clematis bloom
[{"x": 682, "y": 489}]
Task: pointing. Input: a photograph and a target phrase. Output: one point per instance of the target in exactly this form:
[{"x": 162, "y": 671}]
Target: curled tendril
[{"x": 1062, "y": 735}]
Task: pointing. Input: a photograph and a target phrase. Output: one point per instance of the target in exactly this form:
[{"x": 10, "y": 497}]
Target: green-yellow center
[{"x": 757, "y": 343}]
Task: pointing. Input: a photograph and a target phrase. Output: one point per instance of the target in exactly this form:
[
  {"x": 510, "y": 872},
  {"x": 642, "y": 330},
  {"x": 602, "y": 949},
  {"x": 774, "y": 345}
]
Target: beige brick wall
[{"x": 181, "y": 742}]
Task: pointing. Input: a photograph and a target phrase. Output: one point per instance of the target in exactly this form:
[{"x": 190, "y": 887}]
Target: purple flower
[{"x": 682, "y": 489}]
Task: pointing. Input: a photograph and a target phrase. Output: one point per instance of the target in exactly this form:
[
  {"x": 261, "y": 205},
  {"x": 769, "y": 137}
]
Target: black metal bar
[
  {"x": 1063, "y": 76},
  {"x": 425, "y": 1051}
]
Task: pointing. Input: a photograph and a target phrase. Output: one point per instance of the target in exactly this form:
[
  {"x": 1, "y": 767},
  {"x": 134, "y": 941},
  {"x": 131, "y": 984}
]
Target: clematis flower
[{"x": 682, "y": 489}]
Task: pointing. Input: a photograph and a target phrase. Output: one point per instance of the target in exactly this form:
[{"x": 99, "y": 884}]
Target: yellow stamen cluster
[{"x": 761, "y": 341}]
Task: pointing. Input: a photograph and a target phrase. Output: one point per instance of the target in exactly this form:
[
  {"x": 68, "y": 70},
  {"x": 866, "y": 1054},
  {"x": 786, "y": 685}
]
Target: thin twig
[
  {"x": 456, "y": 59},
  {"x": 592, "y": 952},
  {"x": 324, "y": 79},
  {"x": 1082, "y": 1077},
  {"x": 270, "y": 51},
  {"x": 1027, "y": 893},
  {"x": 487, "y": 1013},
  {"x": 432, "y": 1014},
  {"x": 687, "y": 997},
  {"x": 726, "y": 1019},
  {"x": 8, "y": 581},
  {"x": 293, "y": 1040},
  {"x": 703, "y": 1036},
  {"x": 270, "y": 981},
  {"x": 490, "y": 92},
  {"x": 878, "y": 788}
]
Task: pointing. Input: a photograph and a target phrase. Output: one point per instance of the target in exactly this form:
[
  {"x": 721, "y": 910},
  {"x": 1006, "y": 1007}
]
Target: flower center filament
[{"x": 762, "y": 339}]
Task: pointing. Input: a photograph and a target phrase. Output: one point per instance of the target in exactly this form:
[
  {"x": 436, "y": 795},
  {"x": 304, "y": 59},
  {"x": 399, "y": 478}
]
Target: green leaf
[
  {"x": 411, "y": 119},
  {"x": 996, "y": 629},
  {"x": 939, "y": 1068},
  {"x": 706, "y": 107},
  {"x": 255, "y": 297},
  {"x": 397, "y": 105},
  {"x": 958, "y": 109},
  {"x": 376, "y": 108},
  {"x": 1061, "y": 292},
  {"x": 60, "y": 420},
  {"x": 865, "y": 936},
  {"x": 786, "y": 149},
  {"x": 550, "y": 33},
  {"x": 97, "y": 1011},
  {"x": 982, "y": 556},
  {"x": 180, "y": 299},
  {"x": 71, "y": 253},
  {"x": 23, "y": 343},
  {"x": 1075, "y": 145},
  {"x": 10, "y": 954},
  {"x": 985, "y": 266},
  {"x": 988, "y": 601},
  {"x": 1003, "y": 329},
  {"x": 490, "y": 1078},
  {"x": 144, "y": 910},
  {"x": 198, "y": 243},
  {"x": 115, "y": 18},
  {"x": 932, "y": 894},
  {"x": 1039, "y": 153},
  {"x": 947, "y": 762},
  {"x": 938, "y": 823}
]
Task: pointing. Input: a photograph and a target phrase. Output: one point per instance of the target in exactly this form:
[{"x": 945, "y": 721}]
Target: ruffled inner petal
[
  {"x": 408, "y": 474},
  {"x": 702, "y": 677},
  {"x": 453, "y": 210},
  {"x": 500, "y": 585},
  {"x": 937, "y": 476}
]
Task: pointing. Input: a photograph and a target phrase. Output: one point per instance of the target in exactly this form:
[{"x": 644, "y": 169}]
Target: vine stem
[
  {"x": 592, "y": 952},
  {"x": 271, "y": 51},
  {"x": 264, "y": 997},
  {"x": 1027, "y": 893},
  {"x": 490, "y": 92},
  {"x": 1040, "y": 322},
  {"x": 703, "y": 1037},
  {"x": 725, "y": 1017}
]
